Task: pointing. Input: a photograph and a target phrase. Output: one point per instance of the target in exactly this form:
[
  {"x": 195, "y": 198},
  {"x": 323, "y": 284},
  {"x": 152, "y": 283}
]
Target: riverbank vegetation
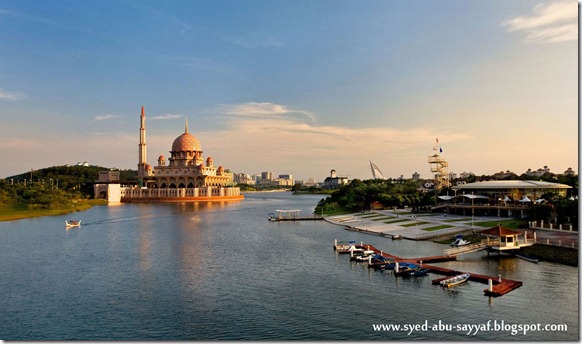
[
  {"x": 51, "y": 191},
  {"x": 360, "y": 196}
]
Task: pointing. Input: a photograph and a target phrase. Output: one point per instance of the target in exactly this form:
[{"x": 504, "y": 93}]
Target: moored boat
[
  {"x": 405, "y": 269},
  {"x": 459, "y": 241},
  {"x": 528, "y": 258},
  {"x": 419, "y": 272},
  {"x": 456, "y": 280}
]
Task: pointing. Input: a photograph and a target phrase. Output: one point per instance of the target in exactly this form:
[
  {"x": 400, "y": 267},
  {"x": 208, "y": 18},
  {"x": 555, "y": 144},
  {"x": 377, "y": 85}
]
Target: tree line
[
  {"x": 360, "y": 195},
  {"x": 56, "y": 187}
]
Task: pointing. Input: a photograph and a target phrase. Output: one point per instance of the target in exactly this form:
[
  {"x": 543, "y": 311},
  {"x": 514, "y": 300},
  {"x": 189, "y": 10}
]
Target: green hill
[{"x": 53, "y": 190}]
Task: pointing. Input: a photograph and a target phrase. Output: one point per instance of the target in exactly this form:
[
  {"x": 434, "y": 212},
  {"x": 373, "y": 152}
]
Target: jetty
[
  {"x": 496, "y": 286},
  {"x": 291, "y": 215}
]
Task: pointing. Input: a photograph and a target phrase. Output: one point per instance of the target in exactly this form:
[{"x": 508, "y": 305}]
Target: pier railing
[
  {"x": 559, "y": 243},
  {"x": 552, "y": 226}
]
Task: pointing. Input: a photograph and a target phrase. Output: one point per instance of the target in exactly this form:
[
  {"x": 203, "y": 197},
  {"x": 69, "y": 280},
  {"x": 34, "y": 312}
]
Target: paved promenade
[{"x": 432, "y": 225}]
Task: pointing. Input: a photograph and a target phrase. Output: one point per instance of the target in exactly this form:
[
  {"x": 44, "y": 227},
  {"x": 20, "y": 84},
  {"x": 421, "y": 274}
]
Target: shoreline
[
  {"x": 21, "y": 214},
  {"x": 408, "y": 227}
]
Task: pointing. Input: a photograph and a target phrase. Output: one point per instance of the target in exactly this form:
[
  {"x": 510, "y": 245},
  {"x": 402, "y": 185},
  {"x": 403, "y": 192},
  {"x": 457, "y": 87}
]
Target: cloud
[
  {"x": 549, "y": 23},
  {"x": 6, "y": 95},
  {"x": 262, "y": 109},
  {"x": 105, "y": 117},
  {"x": 166, "y": 116},
  {"x": 260, "y": 137}
]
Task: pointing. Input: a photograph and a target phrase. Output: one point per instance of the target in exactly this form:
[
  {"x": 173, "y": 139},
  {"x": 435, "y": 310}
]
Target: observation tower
[{"x": 439, "y": 167}]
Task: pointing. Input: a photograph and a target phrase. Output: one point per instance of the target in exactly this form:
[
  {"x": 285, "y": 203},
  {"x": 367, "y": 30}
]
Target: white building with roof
[{"x": 515, "y": 190}]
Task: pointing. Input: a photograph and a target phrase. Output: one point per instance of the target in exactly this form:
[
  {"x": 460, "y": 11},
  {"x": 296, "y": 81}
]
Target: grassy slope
[{"x": 20, "y": 211}]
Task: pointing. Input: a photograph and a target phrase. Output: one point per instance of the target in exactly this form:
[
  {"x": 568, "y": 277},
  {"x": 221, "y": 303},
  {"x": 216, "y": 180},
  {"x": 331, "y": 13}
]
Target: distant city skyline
[{"x": 294, "y": 88}]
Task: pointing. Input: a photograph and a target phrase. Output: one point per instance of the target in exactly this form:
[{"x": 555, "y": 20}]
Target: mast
[{"x": 141, "y": 165}]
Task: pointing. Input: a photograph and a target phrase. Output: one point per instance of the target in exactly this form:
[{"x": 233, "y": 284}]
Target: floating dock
[
  {"x": 496, "y": 285},
  {"x": 296, "y": 219},
  {"x": 291, "y": 215}
]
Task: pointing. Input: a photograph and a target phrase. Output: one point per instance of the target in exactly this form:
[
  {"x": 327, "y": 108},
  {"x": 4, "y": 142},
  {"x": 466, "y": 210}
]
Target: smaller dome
[{"x": 162, "y": 157}]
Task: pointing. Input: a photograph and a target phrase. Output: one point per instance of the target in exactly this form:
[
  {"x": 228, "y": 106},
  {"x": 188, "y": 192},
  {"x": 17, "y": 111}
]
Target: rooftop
[{"x": 511, "y": 184}]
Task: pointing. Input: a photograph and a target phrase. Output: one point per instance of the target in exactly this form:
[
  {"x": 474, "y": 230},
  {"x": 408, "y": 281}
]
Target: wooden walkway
[
  {"x": 498, "y": 288},
  {"x": 296, "y": 219}
]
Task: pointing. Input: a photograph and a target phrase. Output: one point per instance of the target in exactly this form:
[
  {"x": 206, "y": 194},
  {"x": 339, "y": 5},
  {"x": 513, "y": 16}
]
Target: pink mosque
[{"x": 185, "y": 176}]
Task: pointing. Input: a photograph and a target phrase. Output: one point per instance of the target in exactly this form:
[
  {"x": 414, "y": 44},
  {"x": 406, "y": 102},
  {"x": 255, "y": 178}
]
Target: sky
[{"x": 292, "y": 87}]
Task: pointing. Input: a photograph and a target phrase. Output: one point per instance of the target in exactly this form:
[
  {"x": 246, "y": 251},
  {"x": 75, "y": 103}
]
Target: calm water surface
[{"x": 222, "y": 271}]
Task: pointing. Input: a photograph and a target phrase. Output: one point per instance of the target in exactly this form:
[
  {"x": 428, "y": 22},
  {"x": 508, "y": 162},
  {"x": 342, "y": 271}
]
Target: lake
[{"x": 209, "y": 271}]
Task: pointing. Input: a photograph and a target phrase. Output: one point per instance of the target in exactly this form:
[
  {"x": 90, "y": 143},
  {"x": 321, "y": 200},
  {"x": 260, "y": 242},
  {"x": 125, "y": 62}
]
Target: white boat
[
  {"x": 459, "y": 241},
  {"x": 72, "y": 223},
  {"x": 364, "y": 256},
  {"x": 453, "y": 281}
]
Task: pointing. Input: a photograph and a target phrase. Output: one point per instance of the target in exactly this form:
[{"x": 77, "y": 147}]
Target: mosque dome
[{"x": 186, "y": 142}]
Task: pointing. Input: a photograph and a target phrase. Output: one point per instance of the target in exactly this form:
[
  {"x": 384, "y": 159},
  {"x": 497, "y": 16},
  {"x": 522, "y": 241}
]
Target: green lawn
[
  {"x": 415, "y": 224},
  {"x": 370, "y": 216},
  {"x": 19, "y": 211},
  {"x": 458, "y": 220},
  {"x": 395, "y": 221},
  {"x": 436, "y": 228},
  {"x": 510, "y": 223},
  {"x": 382, "y": 218}
]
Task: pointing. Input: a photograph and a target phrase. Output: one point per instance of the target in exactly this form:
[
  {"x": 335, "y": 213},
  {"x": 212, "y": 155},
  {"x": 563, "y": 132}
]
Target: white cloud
[
  {"x": 549, "y": 23},
  {"x": 166, "y": 116},
  {"x": 262, "y": 109},
  {"x": 256, "y": 140},
  {"x": 6, "y": 95},
  {"x": 105, "y": 117}
]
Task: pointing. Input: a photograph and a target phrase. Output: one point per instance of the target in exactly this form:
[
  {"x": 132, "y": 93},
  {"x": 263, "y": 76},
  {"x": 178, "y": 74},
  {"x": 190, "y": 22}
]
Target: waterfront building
[
  {"x": 511, "y": 198},
  {"x": 243, "y": 178},
  {"x": 334, "y": 181},
  {"x": 184, "y": 176},
  {"x": 514, "y": 190}
]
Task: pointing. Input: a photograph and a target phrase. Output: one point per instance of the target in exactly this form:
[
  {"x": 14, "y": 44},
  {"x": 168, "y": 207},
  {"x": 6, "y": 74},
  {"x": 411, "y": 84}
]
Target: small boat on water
[
  {"x": 342, "y": 245},
  {"x": 405, "y": 269},
  {"x": 72, "y": 223},
  {"x": 528, "y": 258},
  {"x": 459, "y": 241},
  {"x": 419, "y": 272},
  {"x": 397, "y": 237},
  {"x": 456, "y": 280}
]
